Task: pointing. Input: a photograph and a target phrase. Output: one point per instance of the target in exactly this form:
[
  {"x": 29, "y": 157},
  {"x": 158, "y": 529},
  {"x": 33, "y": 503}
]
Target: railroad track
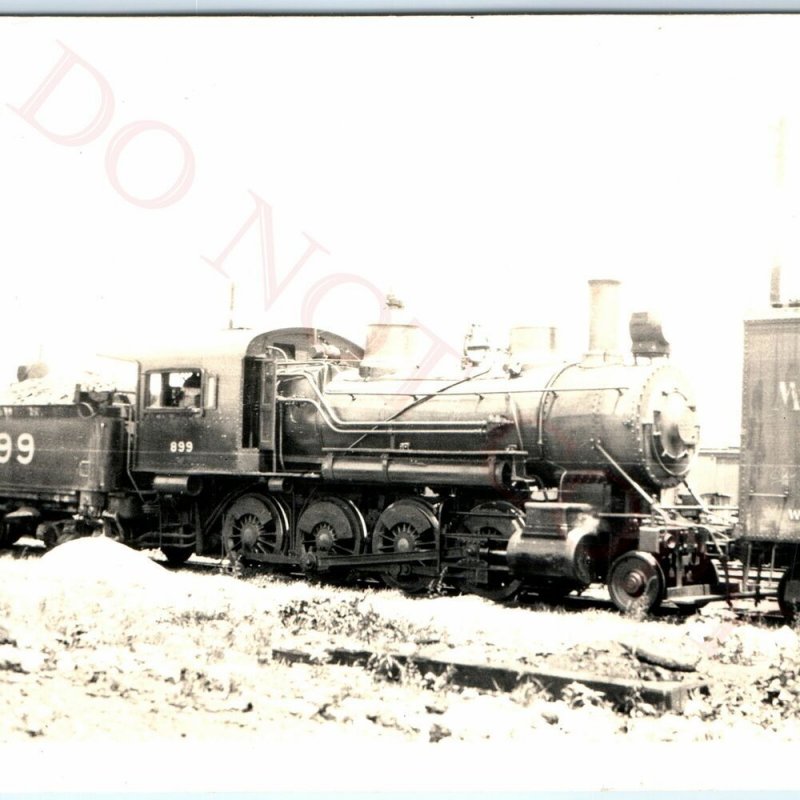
[{"x": 766, "y": 610}]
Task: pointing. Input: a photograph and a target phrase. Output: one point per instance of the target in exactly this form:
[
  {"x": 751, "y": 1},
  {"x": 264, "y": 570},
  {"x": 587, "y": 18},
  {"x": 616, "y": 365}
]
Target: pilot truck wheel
[{"x": 636, "y": 582}]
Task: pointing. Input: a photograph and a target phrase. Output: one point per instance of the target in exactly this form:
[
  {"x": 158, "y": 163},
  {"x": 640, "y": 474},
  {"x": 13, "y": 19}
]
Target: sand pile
[{"x": 101, "y": 559}]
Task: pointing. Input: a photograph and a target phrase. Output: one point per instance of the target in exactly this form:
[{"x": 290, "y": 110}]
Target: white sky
[{"x": 482, "y": 169}]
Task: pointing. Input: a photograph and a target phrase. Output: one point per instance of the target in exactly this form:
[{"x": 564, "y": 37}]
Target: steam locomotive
[{"x": 296, "y": 449}]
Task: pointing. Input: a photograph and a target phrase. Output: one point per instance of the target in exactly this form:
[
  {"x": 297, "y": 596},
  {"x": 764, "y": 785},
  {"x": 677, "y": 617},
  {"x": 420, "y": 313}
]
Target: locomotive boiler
[{"x": 295, "y": 448}]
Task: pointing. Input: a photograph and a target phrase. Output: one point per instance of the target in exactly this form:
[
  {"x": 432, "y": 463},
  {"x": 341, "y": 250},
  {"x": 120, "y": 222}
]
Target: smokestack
[{"x": 604, "y": 322}]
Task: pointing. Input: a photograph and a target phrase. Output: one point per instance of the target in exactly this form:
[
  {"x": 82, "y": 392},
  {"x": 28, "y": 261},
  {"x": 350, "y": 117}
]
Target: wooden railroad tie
[{"x": 663, "y": 695}]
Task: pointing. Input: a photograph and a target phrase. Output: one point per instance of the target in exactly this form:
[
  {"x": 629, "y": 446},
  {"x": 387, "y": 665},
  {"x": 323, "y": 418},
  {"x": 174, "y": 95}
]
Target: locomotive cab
[
  {"x": 208, "y": 427},
  {"x": 211, "y": 409}
]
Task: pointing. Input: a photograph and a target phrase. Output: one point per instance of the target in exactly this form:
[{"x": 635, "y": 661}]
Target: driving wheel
[
  {"x": 407, "y": 526},
  {"x": 332, "y": 526},
  {"x": 255, "y": 525}
]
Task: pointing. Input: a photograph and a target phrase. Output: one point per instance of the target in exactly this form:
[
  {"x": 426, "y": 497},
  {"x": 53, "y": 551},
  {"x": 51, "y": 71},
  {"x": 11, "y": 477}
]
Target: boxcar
[{"x": 769, "y": 482}]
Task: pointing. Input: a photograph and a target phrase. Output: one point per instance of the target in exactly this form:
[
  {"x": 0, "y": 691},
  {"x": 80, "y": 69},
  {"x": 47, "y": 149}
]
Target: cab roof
[{"x": 234, "y": 344}]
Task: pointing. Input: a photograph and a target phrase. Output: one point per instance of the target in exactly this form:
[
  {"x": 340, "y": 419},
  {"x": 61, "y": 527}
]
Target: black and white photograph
[{"x": 399, "y": 403}]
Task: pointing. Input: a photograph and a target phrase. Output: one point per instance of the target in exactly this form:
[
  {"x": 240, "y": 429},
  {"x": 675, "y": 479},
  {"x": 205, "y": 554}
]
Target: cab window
[{"x": 174, "y": 389}]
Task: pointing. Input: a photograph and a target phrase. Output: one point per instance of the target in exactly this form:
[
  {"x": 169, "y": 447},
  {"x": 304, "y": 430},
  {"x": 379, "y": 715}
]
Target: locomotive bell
[{"x": 393, "y": 348}]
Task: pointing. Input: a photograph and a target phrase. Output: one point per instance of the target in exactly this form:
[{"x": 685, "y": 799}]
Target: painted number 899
[
  {"x": 181, "y": 447},
  {"x": 25, "y": 448}
]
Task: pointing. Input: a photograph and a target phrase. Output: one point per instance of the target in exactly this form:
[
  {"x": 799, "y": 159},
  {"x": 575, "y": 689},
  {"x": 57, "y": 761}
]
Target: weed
[
  {"x": 438, "y": 732},
  {"x": 387, "y": 667},
  {"x": 350, "y": 618},
  {"x": 781, "y": 686},
  {"x": 638, "y": 610},
  {"x": 71, "y": 636},
  {"x": 441, "y": 682},
  {"x": 198, "y": 616},
  {"x": 634, "y": 705},
  {"x": 529, "y": 691},
  {"x": 576, "y": 695}
]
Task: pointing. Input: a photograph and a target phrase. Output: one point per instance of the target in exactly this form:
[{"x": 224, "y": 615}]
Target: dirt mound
[{"x": 100, "y": 558}]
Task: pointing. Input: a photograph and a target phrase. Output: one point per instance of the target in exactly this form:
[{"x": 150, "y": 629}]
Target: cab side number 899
[
  {"x": 25, "y": 448},
  {"x": 181, "y": 447}
]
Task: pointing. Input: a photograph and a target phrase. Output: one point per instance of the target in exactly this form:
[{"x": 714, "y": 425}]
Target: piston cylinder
[{"x": 557, "y": 541}]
